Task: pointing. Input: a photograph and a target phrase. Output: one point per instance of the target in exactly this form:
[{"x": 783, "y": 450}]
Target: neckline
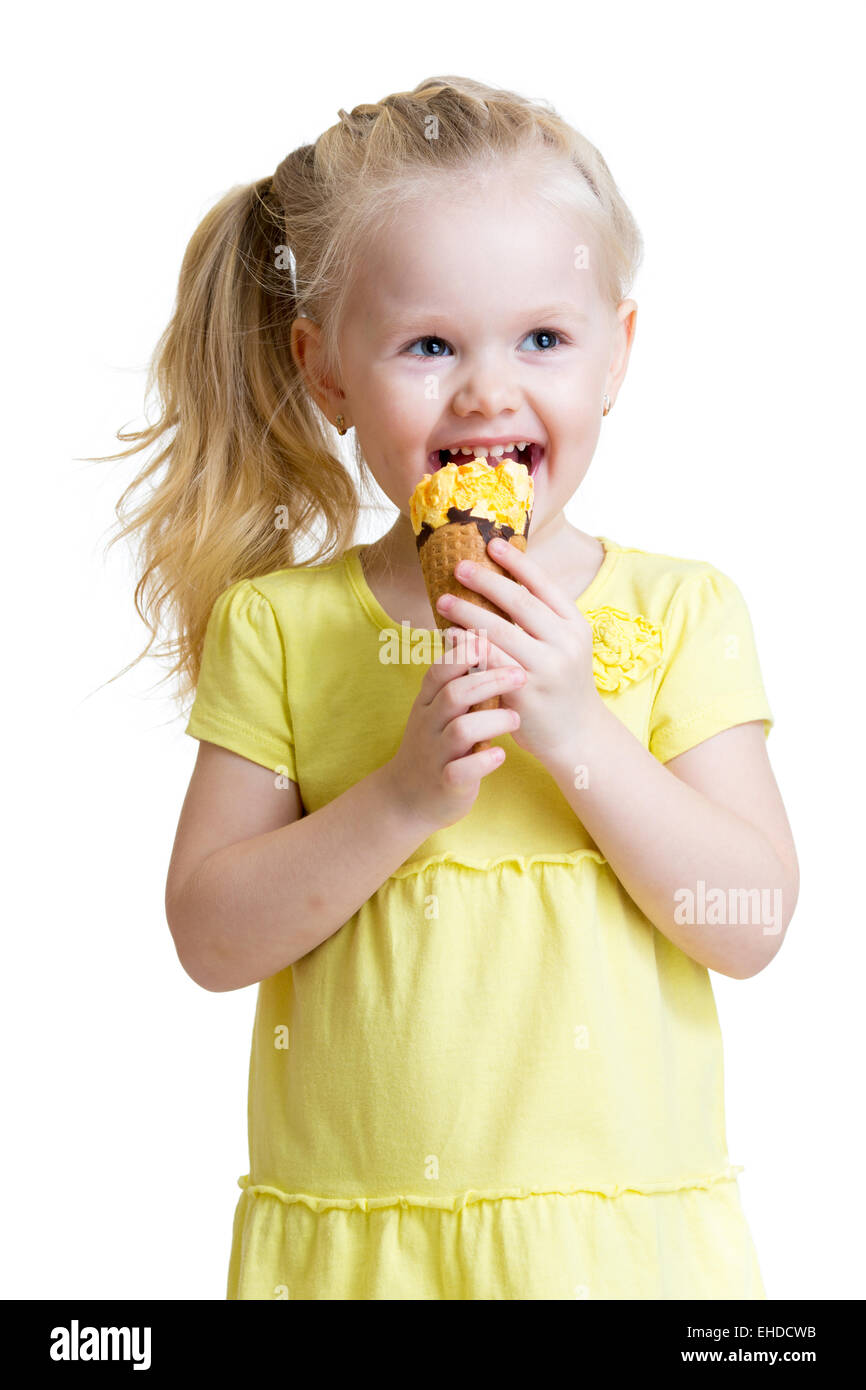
[{"x": 354, "y": 572}]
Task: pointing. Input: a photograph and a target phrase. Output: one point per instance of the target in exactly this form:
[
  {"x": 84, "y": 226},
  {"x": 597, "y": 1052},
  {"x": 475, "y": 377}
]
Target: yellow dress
[{"x": 497, "y": 1080}]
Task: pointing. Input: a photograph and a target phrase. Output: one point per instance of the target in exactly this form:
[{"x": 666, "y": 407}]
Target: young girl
[{"x": 486, "y": 1060}]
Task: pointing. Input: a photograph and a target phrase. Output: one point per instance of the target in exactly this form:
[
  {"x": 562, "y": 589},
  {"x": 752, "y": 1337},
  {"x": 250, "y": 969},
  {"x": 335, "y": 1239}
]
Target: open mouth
[{"x": 526, "y": 452}]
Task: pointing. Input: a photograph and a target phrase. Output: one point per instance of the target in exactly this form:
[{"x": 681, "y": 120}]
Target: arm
[
  {"x": 708, "y": 823},
  {"x": 268, "y": 893},
  {"x": 254, "y": 884},
  {"x": 712, "y": 815}
]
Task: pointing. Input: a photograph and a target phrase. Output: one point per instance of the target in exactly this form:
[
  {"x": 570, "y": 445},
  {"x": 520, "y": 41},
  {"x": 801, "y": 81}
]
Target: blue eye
[
  {"x": 545, "y": 333},
  {"x": 436, "y": 353}
]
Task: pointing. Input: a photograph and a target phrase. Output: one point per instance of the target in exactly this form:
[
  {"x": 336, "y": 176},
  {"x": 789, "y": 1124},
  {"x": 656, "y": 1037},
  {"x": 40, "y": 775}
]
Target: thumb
[{"x": 489, "y": 655}]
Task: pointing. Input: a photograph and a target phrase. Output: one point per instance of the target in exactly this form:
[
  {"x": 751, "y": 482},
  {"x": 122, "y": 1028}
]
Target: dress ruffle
[
  {"x": 462, "y": 1199},
  {"x": 668, "y": 1241},
  {"x": 523, "y": 862}
]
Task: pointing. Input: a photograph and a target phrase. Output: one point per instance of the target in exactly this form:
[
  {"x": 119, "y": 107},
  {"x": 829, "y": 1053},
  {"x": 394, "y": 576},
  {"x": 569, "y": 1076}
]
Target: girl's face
[{"x": 478, "y": 323}]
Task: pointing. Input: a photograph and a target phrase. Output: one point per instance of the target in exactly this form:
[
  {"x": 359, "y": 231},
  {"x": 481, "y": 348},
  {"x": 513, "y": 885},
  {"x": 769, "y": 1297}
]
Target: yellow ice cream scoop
[{"x": 473, "y": 491}]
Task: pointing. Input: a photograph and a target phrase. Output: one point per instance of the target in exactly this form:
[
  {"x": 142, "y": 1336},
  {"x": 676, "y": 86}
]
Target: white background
[{"x": 735, "y": 133}]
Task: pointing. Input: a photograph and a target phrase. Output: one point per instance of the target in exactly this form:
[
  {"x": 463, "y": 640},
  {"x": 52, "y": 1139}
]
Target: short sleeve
[
  {"x": 711, "y": 677},
  {"x": 241, "y": 701}
]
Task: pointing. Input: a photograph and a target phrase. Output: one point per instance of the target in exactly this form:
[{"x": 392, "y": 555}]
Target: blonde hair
[{"x": 240, "y": 442}]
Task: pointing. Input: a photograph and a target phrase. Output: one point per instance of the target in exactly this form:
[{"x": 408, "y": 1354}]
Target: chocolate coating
[{"x": 488, "y": 529}]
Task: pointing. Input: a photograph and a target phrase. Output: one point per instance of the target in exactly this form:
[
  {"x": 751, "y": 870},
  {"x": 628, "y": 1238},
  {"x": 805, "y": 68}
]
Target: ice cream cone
[
  {"x": 443, "y": 549},
  {"x": 455, "y": 512}
]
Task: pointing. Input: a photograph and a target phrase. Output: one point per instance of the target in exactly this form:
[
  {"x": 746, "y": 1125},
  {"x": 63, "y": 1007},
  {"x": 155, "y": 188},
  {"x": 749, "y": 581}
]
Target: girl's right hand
[{"x": 434, "y": 773}]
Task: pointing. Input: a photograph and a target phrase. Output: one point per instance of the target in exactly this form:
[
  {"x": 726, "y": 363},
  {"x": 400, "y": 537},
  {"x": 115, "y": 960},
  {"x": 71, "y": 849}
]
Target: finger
[
  {"x": 508, "y": 636},
  {"x": 521, "y": 606},
  {"x": 458, "y": 644},
  {"x": 465, "y": 691},
  {"x": 460, "y": 654},
  {"x": 491, "y": 655},
  {"x": 475, "y": 726},
  {"x": 531, "y": 576},
  {"x": 463, "y": 772},
  {"x": 483, "y": 647}
]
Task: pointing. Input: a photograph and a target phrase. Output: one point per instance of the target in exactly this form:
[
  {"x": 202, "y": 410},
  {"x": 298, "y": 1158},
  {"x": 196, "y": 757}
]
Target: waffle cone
[{"x": 444, "y": 548}]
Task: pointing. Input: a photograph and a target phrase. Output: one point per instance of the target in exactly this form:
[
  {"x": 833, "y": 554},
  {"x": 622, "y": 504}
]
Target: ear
[
  {"x": 308, "y": 353},
  {"x": 623, "y": 338}
]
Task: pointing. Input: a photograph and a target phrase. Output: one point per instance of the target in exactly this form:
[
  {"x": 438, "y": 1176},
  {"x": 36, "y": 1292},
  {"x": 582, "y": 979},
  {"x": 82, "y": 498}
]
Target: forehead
[{"x": 480, "y": 252}]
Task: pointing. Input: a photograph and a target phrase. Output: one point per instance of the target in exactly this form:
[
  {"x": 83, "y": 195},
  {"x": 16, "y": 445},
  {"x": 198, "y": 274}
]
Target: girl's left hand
[{"x": 549, "y": 637}]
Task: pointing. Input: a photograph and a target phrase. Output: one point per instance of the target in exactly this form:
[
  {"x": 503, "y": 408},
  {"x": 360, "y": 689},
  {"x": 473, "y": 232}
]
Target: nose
[{"x": 488, "y": 389}]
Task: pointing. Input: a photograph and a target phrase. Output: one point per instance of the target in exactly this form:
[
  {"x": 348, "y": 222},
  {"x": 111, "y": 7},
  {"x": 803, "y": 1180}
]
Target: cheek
[
  {"x": 580, "y": 427},
  {"x": 402, "y": 391},
  {"x": 577, "y": 401},
  {"x": 403, "y": 401},
  {"x": 415, "y": 404}
]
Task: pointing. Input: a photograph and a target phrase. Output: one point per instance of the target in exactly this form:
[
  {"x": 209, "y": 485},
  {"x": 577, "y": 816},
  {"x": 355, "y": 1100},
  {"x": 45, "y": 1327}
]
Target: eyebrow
[
  {"x": 404, "y": 322},
  {"x": 565, "y": 310}
]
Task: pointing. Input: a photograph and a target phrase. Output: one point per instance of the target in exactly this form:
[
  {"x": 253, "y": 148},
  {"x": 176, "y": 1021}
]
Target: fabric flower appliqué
[{"x": 624, "y": 648}]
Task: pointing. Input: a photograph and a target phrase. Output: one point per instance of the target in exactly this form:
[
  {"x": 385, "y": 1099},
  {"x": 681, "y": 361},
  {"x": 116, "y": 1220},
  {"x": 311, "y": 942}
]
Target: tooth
[
  {"x": 498, "y": 450},
  {"x": 522, "y": 445},
  {"x": 508, "y": 448},
  {"x": 480, "y": 452},
  {"x": 467, "y": 451}
]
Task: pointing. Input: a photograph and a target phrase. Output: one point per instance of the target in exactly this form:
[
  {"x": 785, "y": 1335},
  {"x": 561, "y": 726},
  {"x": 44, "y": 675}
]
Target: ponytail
[{"x": 249, "y": 473}]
